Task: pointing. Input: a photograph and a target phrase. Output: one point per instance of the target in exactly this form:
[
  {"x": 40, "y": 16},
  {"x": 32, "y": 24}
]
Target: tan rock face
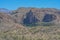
[{"x": 38, "y": 13}]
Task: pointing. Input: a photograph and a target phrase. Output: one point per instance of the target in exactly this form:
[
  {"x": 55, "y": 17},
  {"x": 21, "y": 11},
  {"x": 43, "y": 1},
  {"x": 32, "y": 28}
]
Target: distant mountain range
[{"x": 5, "y": 10}]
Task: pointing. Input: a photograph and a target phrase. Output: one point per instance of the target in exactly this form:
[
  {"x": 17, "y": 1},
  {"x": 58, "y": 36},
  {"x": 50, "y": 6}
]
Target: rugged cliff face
[
  {"x": 34, "y": 15},
  {"x": 30, "y": 18}
]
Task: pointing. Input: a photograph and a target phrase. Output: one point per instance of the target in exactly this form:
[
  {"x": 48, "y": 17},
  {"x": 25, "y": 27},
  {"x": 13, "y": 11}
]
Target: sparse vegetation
[
  {"x": 34, "y": 33},
  {"x": 41, "y": 24}
]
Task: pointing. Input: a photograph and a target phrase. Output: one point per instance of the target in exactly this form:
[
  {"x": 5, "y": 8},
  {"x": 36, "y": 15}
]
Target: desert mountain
[
  {"x": 30, "y": 24},
  {"x": 28, "y": 16},
  {"x": 31, "y": 15}
]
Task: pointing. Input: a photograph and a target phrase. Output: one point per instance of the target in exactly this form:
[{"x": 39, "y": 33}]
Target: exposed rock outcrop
[
  {"x": 49, "y": 18},
  {"x": 30, "y": 18}
]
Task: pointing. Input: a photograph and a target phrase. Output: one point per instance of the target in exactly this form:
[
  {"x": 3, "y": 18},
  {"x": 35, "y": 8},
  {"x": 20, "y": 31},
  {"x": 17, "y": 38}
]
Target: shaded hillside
[{"x": 49, "y": 18}]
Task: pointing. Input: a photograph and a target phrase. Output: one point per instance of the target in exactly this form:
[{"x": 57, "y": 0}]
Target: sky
[{"x": 14, "y": 4}]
